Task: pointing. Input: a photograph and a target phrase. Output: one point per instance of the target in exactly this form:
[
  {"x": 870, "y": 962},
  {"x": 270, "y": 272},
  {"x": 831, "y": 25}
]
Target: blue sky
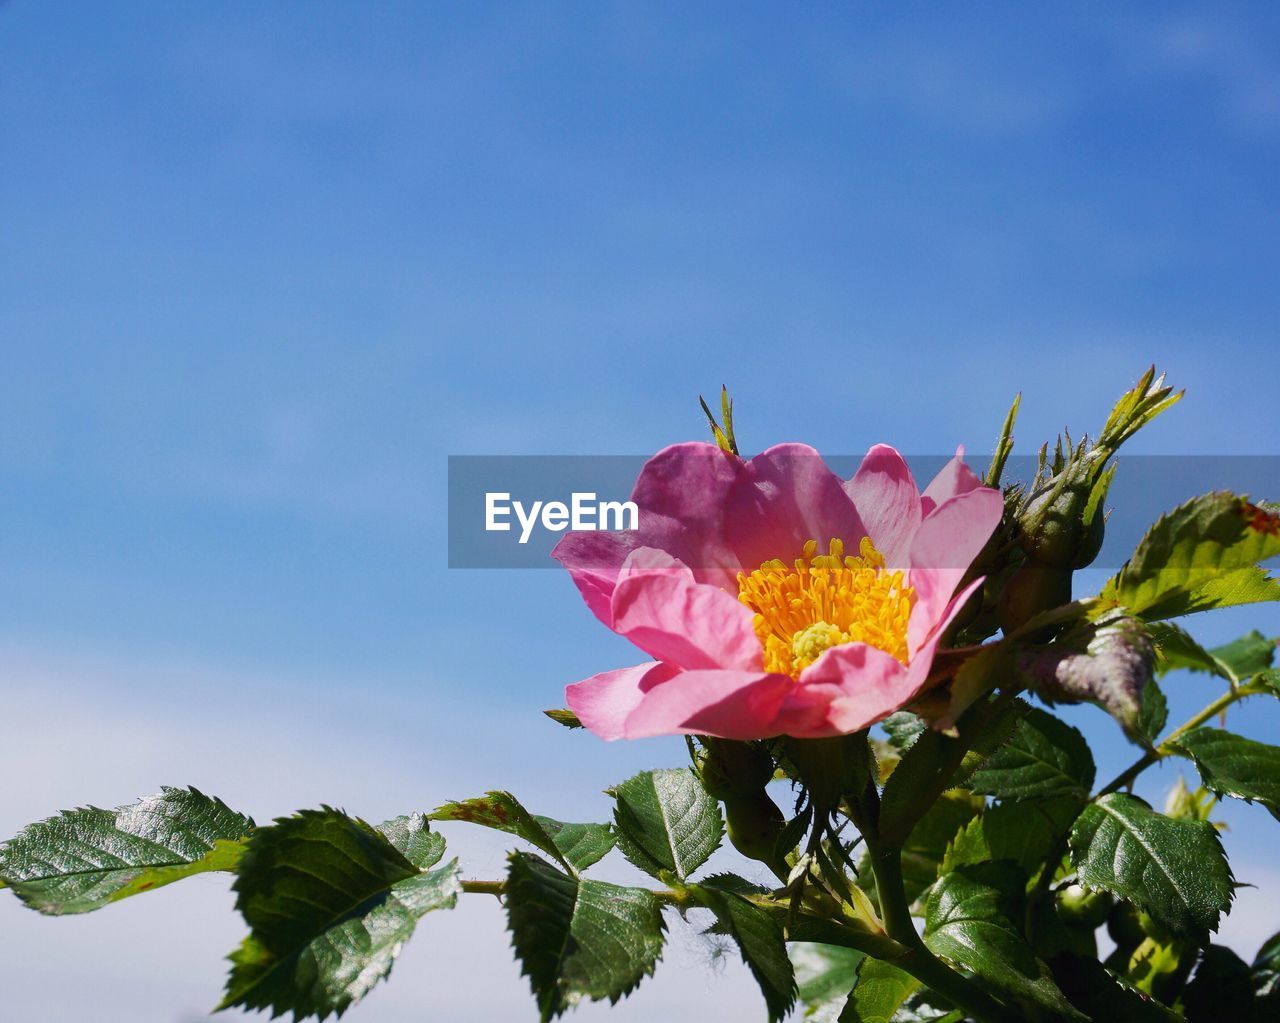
[{"x": 266, "y": 266}]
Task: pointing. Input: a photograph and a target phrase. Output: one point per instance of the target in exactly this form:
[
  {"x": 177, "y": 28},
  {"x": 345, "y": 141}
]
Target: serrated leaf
[
  {"x": 936, "y": 762},
  {"x": 1154, "y": 714},
  {"x": 665, "y": 821},
  {"x": 412, "y": 836},
  {"x": 1022, "y": 832},
  {"x": 903, "y": 728},
  {"x": 574, "y": 846},
  {"x": 1234, "y": 661},
  {"x": 1251, "y": 653},
  {"x": 824, "y": 976},
  {"x": 729, "y": 882},
  {"x": 1174, "y": 869},
  {"x": 581, "y": 844},
  {"x": 1202, "y": 555},
  {"x": 1103, "y": 996},
  {"x": 330, "y": 902},
  {"x": 1270, "y": 679},
  {"x": 969, "y": 921},
  {"x": 578, "y": 938},
  {"x": 1175, "y": 648},
  {"x": 881, "y": 991},
  {"x": 1232, "y": 765},
  {"x": 1044, "y": 757},
  {"x": 760, "y": 941},
  {"x": 84, "y": 859}
]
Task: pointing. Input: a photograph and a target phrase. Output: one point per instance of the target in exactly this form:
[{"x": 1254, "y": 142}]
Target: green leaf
[
  {"x": 1270, "y": 678},
  {"x": 413, "y": 838},
  {"x": 581, "y": 844},
  {"x": 760, "y": 941},
  {"x": 330, "y": 901},
  {"x": 1175, "y": 648},
  {"x": 1266, "y": 976},
  {"x": 1154, "y": 714},
  {"x": 1044, "y": 757},
  {"x": 1102, "y": 996},
  {"x": 903, "y": 728},
  {"x": 665, "y": 821},
  {"x": 824, "y": 976},
  {"x": 1251, "y": 653},
  {"x": 578, "y": 938},
  {"x": 85, "y": 858},
  {"x": 574, "y": 846},
  {"x": 937, "y": 761},
  {"x": 968, "y": 921},
  {"x": 1202, "y": 555},
  {"x": 1174, "y": 869},
  {"x": 1234, "y": 661},
  {"x": 1222, "y": 989},
  {"x": 881, "y": 991},
  {"x": 927, "y": 844},
  {"x": 1232, "y": 765},
  {"x": 1023, "y": 832}
]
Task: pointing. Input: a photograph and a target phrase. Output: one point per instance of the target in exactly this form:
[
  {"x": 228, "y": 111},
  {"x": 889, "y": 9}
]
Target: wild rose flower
[{"x": 774, "y": 597}]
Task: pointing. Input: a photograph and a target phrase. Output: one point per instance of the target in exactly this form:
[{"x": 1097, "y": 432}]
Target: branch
[{"x": 1164, "y": 749}]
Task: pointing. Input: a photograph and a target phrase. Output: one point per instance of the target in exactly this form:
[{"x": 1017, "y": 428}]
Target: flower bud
[
  {"x": 730, "y": 769},
  {"x": 1063, "y": 526},
  {"x": 1077, "y": 905},
  {"x": 754, "y": 825},
  {"x": 832, "y": 769},
  {"x": 1034, "y": 587}
]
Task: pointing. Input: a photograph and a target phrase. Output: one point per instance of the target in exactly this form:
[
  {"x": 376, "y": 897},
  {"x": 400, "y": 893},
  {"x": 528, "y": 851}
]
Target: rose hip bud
[
  {"x": 1035, "y": 587},
  {"x": 1077, "y": 905},
  {"x": 730, "y": 769},
  {"x": 754, "y": 824},
  {"x": 1061, "y": 529}
]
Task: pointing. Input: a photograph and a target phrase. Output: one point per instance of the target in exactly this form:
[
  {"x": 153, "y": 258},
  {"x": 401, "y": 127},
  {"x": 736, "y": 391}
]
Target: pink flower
[{"x": 774, "y": 597}]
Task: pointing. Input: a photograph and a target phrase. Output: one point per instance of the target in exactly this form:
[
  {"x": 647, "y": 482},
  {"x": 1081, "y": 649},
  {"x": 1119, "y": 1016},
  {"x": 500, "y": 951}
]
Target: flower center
[{"x": 822, "y": 600}]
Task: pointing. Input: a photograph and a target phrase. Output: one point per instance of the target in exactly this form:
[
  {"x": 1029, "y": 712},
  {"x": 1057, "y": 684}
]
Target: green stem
[
  {"x": 934, "y": 974},
  {"x": 886, "y": 864},
  {"x": 1054, "y": 616},
  {"x": 1165, "y": 749},
  {"x": 916, "y": 959}
]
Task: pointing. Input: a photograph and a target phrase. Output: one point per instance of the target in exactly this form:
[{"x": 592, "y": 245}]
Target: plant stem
[
  {"x": 1129, "y": 774},
  {"x": 916, "y": 959},
  {"x": 1127, "y": 777},
  {"x": 886, "y": 863},
  {"x": 934, "y": 974}
]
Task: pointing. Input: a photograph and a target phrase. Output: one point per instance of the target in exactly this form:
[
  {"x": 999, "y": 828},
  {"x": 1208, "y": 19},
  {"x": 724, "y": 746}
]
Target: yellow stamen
[{"x": 823, "y": 600}]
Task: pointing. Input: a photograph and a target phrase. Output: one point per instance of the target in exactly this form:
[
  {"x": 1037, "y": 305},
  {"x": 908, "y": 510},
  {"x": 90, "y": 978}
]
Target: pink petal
[
  {"x": 604, "y": 701},
  {"x": 943, "y": 549},
  {"x": 669, "y": 615},
  {"x": 787, "y": 496},
  {"x": 888, "y": 503},
  {"x": 728, "y": 704},
  {"x": 680, "y": 496},
  {"x": 593, "y": 560},
  {"x": 955, "y": 479},
  {"x": 862, "y": 685}
]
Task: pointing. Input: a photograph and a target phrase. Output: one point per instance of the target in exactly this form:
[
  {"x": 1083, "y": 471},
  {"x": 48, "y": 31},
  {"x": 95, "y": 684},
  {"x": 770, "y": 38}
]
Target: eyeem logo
[{"x": 583, "y": 512}]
